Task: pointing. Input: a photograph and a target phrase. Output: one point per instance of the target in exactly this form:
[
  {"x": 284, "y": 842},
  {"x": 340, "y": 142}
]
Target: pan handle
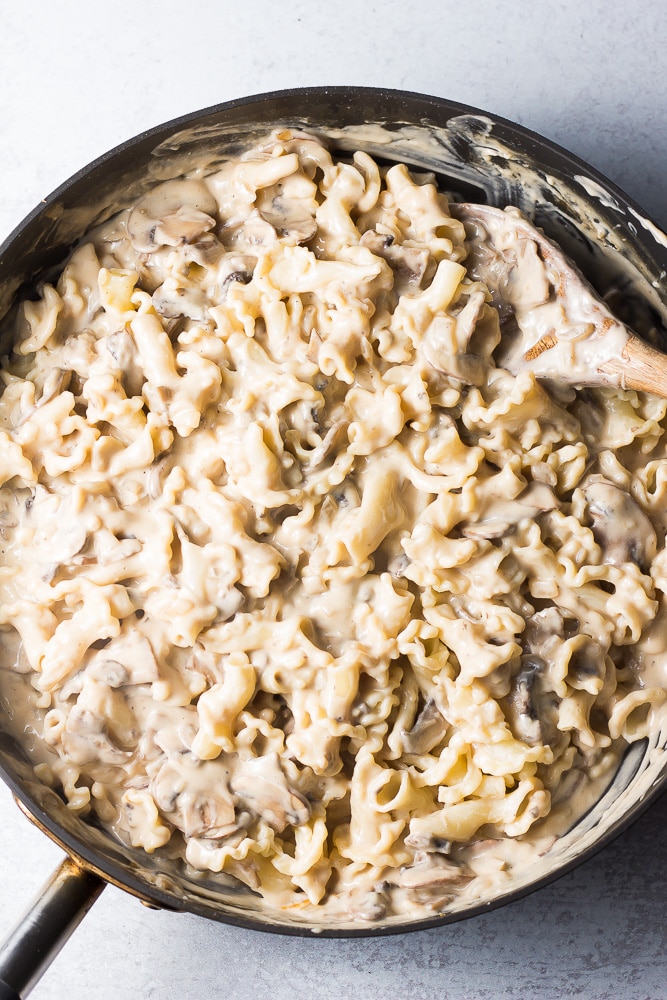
[{"x": 56, "y": 912}]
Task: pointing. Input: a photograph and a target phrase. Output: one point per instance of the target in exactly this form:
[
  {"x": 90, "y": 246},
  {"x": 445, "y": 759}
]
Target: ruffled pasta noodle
[{"x": 295, "y": 580}]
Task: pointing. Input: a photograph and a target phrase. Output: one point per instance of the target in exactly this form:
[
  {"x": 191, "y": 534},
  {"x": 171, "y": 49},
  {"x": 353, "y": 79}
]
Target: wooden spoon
[{"x": 553, "y": 322}]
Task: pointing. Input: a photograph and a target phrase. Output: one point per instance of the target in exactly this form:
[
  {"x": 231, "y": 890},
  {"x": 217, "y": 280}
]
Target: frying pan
[{"x": 476, "y": 156}]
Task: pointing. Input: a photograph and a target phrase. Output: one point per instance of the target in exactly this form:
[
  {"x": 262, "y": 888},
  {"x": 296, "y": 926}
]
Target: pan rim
[{"x": 87, "y": 854}]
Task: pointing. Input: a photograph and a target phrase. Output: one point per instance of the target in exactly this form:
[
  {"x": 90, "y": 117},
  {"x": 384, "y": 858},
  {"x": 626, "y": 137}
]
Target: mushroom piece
[
  {"x": 431, "y": 845},
  {"x": 289, "y": 204},
  {"x": 620, "y": 527},
  {"x": 173, "y": 213},
  {"x": 126, "y": 660},
  {"x": 253, "y": 231},
  {"x": 433, "y": 879},
  {"x": 109, "y": 672},
  {"x": 331, "y": 440},
  {"x": 196, "y": 799},
  {"x": 262, "y": 787},
  {"x": 89, "y": 744},
  {"x": 467, "y": 368},
  {"x": 467, "y": 317},
  {"x": 463, "y": 365},
  {"x": 242, "y": 277},
  {"x": 123, "y": 349},
  {"x": 56, "y": 381},
  {"x": 235, "y": 267},
  {"x": 409, "y": 264},
  {"x": 502, "y": 253},
  {"x": 205, "y": 251},
  {"x": 58, "y": 537},
  {"x": 168, "y": 730},
  {"x": 427, "y": 731},
  {"x": 100, "y": 727},
  {"x": 500, "y": 517},
  {"x": 368, "y": 903},
  {"x": 290, "y": 223},
  {"x": 488, "y": 529},
  {"x": 527, "y": 703},
  {"x": 173, "y": 300},
  {"x": 541, "y": 628},
  {"x": 587, "y": 666}
]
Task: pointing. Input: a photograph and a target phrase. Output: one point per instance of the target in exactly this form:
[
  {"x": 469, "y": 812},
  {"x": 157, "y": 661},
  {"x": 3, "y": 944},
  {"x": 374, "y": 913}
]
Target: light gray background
[{"x": 76, "y": 79}]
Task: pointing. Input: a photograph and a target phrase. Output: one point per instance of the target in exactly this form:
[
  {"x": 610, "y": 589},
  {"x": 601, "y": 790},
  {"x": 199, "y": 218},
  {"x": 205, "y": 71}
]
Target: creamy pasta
[{"x": 296, "y": 583}]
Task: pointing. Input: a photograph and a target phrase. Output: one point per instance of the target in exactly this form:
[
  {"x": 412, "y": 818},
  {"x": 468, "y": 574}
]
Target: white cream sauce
[
  {"x": 658, "y": 235},
  {"x": 294, "y": 578},
  {"x": 596, "y": 190}
]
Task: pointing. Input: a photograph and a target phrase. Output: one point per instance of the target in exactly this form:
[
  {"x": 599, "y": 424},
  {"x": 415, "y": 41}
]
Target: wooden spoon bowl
[{"x": 554, "y": 323}]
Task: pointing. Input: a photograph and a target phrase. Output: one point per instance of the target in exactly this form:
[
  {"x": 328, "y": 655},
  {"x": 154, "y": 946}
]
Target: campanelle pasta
[{"x": 295, "y": 580}]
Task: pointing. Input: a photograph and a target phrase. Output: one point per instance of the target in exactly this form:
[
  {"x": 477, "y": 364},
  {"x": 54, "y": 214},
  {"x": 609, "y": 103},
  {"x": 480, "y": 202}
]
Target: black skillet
[{"x": 477, "y": 157}]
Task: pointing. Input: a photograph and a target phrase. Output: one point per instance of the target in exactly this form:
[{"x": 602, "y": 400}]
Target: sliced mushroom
[
  {"x": 100, "y": 727},
  {"x": 445, "y": 332},
  {"x": 123, "y": 349},
  {"x": 333, "y": 437},
  {"x": 501, "y": 517},
  {"x": 409, "y": 264},
  {"x": 173, "y": 213},
  {"x": 528, "y": 704},
  {"x": 368, "y": 904},
  {"x": 235, "y": 267},
  {"x": 290, "y": 206},
  {"x": 57, "y": 539},
  {"x": 587, "y": 666},
  {"x": 56, "y": 381},
  {"x": 541, "y": 628},
  {"x": 466, "y": 319},
  {"x": 621, "y": 528},
  {"x": 109, "y": 672},
  {"x": 170, "y": 730},
  {"x": 488, "y": 529},
  {"x": 173, "y": 300},
  {"x": 430, "y": 845},
  {"x": 196, "y": 799},
  {"x": 377, "y": 243},
  {"x": 94, "y": 746},
  {"x": 133, "y": 654},
  {"x": 433, "y": 879},
  {"x": 242, "y": 277},
  {"x": 496, "y": 241},
  {"x": 262, "y": 787},
  {"x": 428, "y": 730},
  {"x": 289, "y": 221},
  {"x": 254, "y": 231},
  {"x": 469, "y": 369},
  {"x": 176, "y": 741},
  {"x": 205, "y": 251}
]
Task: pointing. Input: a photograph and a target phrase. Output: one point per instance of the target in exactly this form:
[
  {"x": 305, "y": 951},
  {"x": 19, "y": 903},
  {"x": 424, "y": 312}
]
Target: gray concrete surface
[{"x": 75, "y": 79}]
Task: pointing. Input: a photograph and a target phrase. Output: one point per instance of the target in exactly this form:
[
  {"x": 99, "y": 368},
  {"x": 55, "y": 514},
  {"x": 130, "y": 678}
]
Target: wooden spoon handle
[{"x": 639, "y": 366}]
